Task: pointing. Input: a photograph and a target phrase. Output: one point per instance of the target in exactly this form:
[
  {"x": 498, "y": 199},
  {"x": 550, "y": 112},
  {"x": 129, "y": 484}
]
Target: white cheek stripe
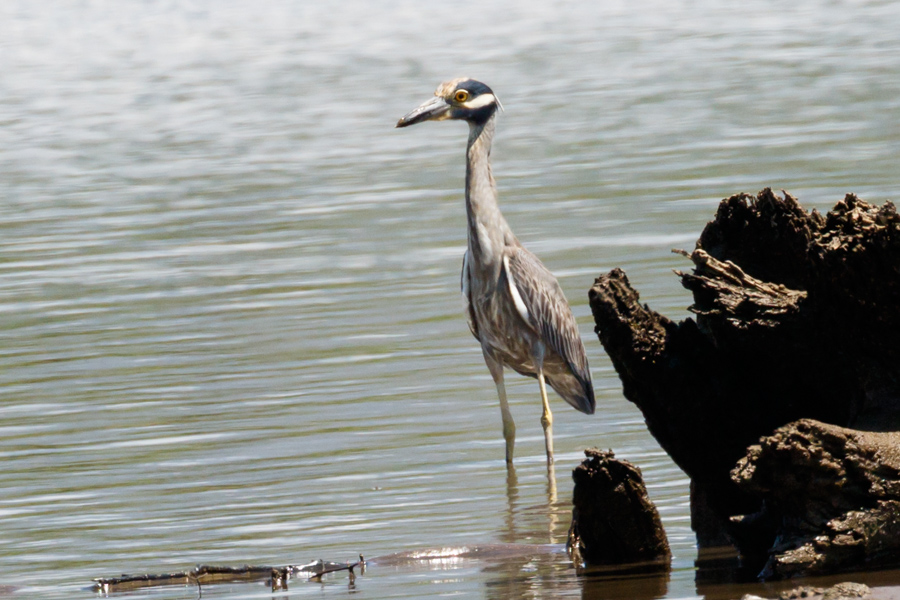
[
  {"x": 481, "y": 101},
  {"x": 514, "y": 292}
]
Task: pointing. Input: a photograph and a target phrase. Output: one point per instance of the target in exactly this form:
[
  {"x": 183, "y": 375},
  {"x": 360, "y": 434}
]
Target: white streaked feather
[
  {"x": 514, "y": 292},
  {"x": 464, "y": 284},
  {"x": 484, "y": 240}
]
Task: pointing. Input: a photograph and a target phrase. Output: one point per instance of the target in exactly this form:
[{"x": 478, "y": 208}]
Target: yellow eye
[{"x": 461, "y": 96}]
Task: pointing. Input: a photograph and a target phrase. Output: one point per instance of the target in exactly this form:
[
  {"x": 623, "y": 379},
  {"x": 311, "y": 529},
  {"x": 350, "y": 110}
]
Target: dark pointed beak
[{"x": 435, "y": 109}]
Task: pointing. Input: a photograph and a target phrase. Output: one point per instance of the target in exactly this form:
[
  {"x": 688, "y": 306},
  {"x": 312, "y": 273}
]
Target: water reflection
[
  {"x": 553, "y": 508},
  {"x": 715, "y": 566},
  {"x": 215, "y": 258},
  {"x": 528, "y": 576},
  {"x": 555, "y": 514},
  {"x": 509, "y": 534},
  {"x": 533, "y": 571},
  {"x": 636, "y": 587},
  {"x": 549, "y": 574}
]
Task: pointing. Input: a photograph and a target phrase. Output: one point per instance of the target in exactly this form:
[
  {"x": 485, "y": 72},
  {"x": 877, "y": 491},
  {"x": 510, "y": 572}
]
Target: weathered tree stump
[
  {"x": 834, "y": 494},
  {"x": 797, "y": 316},
  {"x": 613, "y": 520}
]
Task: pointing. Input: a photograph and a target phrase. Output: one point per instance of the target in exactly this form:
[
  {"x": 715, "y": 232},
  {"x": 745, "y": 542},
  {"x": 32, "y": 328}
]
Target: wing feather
[{"x": 547, "y": 311}]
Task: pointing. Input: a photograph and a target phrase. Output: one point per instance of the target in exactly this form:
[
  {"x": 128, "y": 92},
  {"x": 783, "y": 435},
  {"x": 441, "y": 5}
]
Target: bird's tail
[{"x": 577, "y": 391}]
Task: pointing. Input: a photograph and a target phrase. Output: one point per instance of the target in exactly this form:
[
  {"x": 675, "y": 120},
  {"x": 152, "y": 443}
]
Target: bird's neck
[{"x": 488, "y": 231}]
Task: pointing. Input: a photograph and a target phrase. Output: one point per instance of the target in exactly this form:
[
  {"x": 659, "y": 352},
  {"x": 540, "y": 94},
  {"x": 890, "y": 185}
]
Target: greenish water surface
[{"x": 230, "y": 324}]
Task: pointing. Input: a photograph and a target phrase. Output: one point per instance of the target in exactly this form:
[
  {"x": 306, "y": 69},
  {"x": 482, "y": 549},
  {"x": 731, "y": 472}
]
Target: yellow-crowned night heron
[{"x": 514, "y": 305}]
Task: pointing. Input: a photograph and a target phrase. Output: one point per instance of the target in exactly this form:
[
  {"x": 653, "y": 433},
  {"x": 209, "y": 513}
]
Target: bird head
[{"x": 462, "y": 98}]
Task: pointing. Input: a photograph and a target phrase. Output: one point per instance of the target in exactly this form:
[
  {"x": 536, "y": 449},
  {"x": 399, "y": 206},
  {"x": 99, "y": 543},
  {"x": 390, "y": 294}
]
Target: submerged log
[
  {"x": 834, "y": 494},
  {"x": 796, "y": 317},
  {"x": 276, "y": 577},
  {"x": 613, "y": 520}
]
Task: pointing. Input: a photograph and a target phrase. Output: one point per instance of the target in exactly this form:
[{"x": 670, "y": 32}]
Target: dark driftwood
[
  {"x": 613, "y": 520},
  {"x": 796, "y": 316},
  {"x": 276, "y": 577},
  {"x": 833, "y": 495}
]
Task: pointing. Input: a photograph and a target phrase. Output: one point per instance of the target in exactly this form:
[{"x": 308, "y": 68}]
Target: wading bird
[{"x": 513, "y": 303}]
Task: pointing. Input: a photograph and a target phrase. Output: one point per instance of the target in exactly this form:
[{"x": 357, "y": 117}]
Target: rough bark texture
[
  {"x": 613, "y": 520},
  {"x": 842, "y": 591},
  {"x": 834, "y": 492},
  {"x": 797, "y": 316}
]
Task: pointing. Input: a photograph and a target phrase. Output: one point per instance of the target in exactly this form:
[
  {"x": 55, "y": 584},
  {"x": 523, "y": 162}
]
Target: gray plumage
[{"x": 513, "y": 304}]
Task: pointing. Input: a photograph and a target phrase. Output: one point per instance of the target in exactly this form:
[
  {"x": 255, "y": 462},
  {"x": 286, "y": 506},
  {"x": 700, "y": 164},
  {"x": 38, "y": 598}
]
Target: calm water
[{"x": 231, "y": 330}]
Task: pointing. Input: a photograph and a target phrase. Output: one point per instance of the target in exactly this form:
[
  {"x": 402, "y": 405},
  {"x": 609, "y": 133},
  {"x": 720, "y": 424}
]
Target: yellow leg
[
  {"x": 552, "y": 515},
  {"x": 509, "y": 426},
  {"x": 546, "y": 418}
]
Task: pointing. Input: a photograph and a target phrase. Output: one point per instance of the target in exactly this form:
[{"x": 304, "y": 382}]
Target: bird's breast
[{"x": 501, "y": 329}]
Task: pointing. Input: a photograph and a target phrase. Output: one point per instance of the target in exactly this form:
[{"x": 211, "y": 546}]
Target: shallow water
[{"x": 231, "y": 329}]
